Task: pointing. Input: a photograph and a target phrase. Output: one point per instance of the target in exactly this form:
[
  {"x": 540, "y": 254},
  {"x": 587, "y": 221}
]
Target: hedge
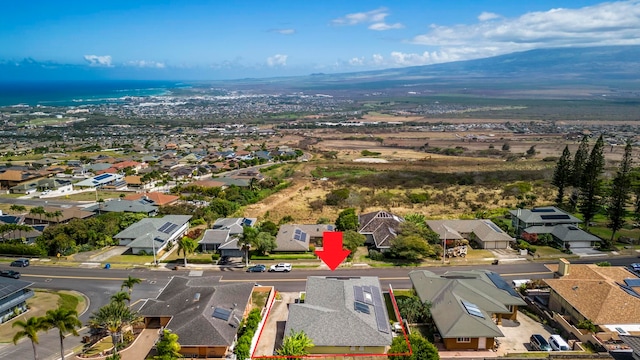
[
  {"x": 245, "y": 334},
  {"x": 22, "y": 249},
  {"x": 305, "y": 256}
]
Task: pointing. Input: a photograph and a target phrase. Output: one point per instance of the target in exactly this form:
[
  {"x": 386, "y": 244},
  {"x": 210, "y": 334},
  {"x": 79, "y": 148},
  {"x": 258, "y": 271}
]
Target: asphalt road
[{"x": 99, "y": 284}]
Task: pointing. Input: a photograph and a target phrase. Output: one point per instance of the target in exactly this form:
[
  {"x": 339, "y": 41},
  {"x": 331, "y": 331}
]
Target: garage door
[{"x": 580, "y": 244}]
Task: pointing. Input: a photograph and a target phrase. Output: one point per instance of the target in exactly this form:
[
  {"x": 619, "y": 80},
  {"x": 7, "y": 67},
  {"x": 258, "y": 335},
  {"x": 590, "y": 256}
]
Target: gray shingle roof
[
  {"x": 381, "y": 225},
  {"x": 484, "y": 229},
  {"x": 537, "y": 215},
  {"x": 447, "y": 293},
  {"x": 137, "y": 206},
  {"x": 10, "y": 286},
  {"x": 234, "y": 225},
  {"x": 146, "y": 229},
  {"x": 329, "y": 318},
  {"x": 192, "y": 320},
  {"x": 212, "y": 236},
  {"x": 569, "y": 233}
]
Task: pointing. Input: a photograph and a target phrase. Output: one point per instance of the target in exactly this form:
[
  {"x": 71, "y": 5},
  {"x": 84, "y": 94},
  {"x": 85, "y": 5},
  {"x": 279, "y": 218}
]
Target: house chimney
[{"x": 563, "y": 267}]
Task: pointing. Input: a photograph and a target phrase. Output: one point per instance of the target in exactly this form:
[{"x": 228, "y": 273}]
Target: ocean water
[{"x": 76, "y": 93}]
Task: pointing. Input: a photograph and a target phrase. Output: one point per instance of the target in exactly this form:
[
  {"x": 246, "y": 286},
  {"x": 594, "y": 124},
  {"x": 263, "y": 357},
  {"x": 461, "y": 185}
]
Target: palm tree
[
  {"x": 129, "y": 283},
  {"x": 121, "y": 296},
  {"x": 187, "y": 246},
  {"x": 17, "y": 208},
  {"x": 38, "y": 210},
  {"x": 295, "y": 344},
  {"x": 64, "y": 320},
  {"x": 57, "y": 214},
  {"x": 114, "y": 317},
  {"x": 29, "y": 330}
]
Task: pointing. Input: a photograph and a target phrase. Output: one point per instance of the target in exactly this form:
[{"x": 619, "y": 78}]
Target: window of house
[{"x": 463, "y": 340}]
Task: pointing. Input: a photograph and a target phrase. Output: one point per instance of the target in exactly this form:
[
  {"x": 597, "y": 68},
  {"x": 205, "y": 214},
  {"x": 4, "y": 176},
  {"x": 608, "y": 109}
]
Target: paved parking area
[
  {"x": 273, "y": 333},
  {"x": 517, "y": 335}
]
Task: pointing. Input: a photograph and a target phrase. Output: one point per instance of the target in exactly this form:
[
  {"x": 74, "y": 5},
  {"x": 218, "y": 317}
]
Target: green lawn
[
  {"x": 104, "y": 345},
  {"x": 259, "y": 299},
  {"x": 130, "y": 259},
  {"x": 91, "y": 195}
]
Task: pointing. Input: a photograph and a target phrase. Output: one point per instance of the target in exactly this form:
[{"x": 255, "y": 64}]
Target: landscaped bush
[
  {"x": 298, "y": 256},
  {"x": 21, "y": 249},
  {"x": 376, "y": 255},
  {"x": 245, "y": 334},
  {"x": 215, "y": 257}
]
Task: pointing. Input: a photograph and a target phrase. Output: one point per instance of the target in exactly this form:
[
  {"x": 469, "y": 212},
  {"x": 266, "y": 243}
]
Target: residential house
[
  {"x": 60, "y": 215},
  {"x": 10, "y": 177},
  {"x": 548, "y": 216},
  {"x": 380, "y": 228},
  {"x": 13, "y": 295},
  {"x": 134, "y": 182},
  {"x": 102, "y": 181},
  {"x": 153, "y": 234},
  {"x": 224, "y": 236},
  {"x": 142, "y": 205},
  {"x": 609, "y": 296},
  {"x": 342, "y": 315},
  {"x": 562, "y": 227},
  {"x": 29, "y": 236},
  {"x": 158, "y": 198},
  {"x": 484, "y": 232},
  {"x": 298, "y": 237},
  {"x": 466, "y": 305},
  {"x": 202, "y": 312},
  {"x": 56, "y": 187}
]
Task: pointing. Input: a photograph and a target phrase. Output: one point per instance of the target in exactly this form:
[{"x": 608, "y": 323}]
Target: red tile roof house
[{"x": 158, "y": 198}]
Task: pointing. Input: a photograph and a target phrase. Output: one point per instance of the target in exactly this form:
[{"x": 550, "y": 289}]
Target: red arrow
[{"x": 332, "y": 252}]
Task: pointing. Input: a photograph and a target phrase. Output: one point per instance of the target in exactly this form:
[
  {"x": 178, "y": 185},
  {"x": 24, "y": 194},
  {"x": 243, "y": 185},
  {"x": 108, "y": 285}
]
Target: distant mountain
[{"x": 606, "y": 67}]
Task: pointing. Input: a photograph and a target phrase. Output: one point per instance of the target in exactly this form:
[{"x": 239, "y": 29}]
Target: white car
[{"x": 282, "y": 267}]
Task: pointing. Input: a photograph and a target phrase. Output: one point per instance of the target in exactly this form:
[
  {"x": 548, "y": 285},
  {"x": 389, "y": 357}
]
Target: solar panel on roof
[
  {"x": 246, "y": 222},
  {"x": 472, "y": 309},
  {"x": 102, "y": 177},
  {"x": 358, "y": 295},
  {"x": 222, "y": 314},
  {"x": 361, "y": 307},
  {"x": 555, "y": 217},
  {"x": 494, "y": 227},
  {"x": 379, "y": 309},
  {"x": 170, "y": 228},
  {"x": 630, "y": 291},
  {"x": 499, "y": 282},
  {"x": 164, "y": 226},
  {"x": 632, "y": 282},
  {"x": 303, "y": 237}
]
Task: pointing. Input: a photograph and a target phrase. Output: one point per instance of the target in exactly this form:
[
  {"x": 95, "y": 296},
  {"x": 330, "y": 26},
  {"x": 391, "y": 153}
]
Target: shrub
[
  {"x": 376, "y": 255},
  {"x": 215, "y": 257},
  {"x": 417, "y": 198},
  {"x": 142, "y": 253},
  {"x": 21, "y": 249}
]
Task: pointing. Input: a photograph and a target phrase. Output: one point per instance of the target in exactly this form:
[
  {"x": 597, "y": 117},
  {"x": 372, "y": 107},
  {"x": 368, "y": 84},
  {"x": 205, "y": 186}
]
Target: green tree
[
  {"x": 295, "y": 344},
  {"x": 591, "y": 188},
  {"x": 38, "y": 210},
  {"x": 351, "y": 240},
  {"x": 412, "y": 248},
  {"x": 247, "y": 239},
  {"x": 421, "y": 348},
  {"x": 418, "y": 219},
  {"x": 270, "y": 227},
  {"x": 168, "y": 347},
  {"x": 29, "y": 329},
  {"x": 347, "y": 220},
  {"x": 620, "y": 188},
  {"x": 114, "y": 317},
  {"x": 17, "y": 208},
  {"x": 187, "y": 246},
  {"x": 121, "y": 296},
  {"x": 413, "y": 310},
  {"x": 65, "y": 320},
  {"x": 562, "y": 174},
  {"x": 129, "y": 283},
  {"x": 264, "y": 242},
  {"x": 577, "y": 171}
]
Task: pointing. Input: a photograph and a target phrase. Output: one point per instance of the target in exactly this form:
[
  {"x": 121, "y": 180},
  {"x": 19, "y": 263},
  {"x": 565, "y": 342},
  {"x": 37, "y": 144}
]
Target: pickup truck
[{"x": 282, "y": 267}]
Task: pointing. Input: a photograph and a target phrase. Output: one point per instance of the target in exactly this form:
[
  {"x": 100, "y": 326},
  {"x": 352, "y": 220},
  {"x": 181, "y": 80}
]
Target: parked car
[
  {"x": 539, "y": 343},
  {"x": 282, "y": 267},
  {"x": 635, "y": 267},
  {"x": 557, "y": 343},
  {"x": 257, "y": 268},
  {"x": 10, "y": 274},
  {"x": 20, "y": 262}
]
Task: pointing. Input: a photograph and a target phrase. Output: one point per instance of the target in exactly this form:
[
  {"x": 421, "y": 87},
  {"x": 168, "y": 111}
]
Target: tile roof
[
  {"x": 191, "y": 316},
  {"x": 329, "y": 318},
  {"x": 158, "y": 198},
  {"x": 595, "y": 292}
]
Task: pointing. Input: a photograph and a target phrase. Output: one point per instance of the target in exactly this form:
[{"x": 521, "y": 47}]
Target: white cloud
[
  {"x": 609, "y": 23},
  {"x": 146, "y": 64},
  {"x": 375, "y": 17},
  {"x": 98, "y": 60},
  {"x": 486, "y": 16},
  {"x": 277, "y": 60},
  {"x": 381, "y": 26},
  {"x": 283, "y": 31},
  {"x": 356, "y": 61}
]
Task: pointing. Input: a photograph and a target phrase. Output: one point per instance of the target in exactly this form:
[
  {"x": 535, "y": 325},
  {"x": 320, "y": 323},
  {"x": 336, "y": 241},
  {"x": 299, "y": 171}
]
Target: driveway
[
  {"x": 517, "y": 334},
  {"x": 273, "y": 333}
]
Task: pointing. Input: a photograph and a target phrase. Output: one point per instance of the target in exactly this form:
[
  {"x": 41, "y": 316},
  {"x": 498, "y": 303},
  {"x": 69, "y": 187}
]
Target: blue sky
[{"x": 218, "y": 39}]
